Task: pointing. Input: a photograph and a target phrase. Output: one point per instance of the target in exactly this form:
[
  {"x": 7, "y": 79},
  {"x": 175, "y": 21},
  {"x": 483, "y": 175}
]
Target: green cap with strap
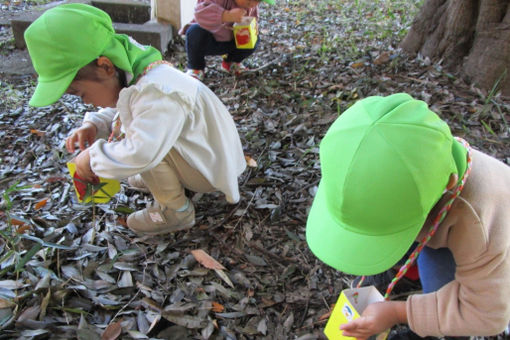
[
  {"x": 385, "y": 163},
  {"x": 67, "y": 37}
]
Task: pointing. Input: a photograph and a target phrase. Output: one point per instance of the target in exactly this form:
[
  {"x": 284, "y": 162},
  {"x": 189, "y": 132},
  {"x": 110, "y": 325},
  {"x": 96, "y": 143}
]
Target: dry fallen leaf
[
  {"x": 37, "y": 132},
  {"x": 357, "y": 65},
  {"x": 383, "y": 58},
  {"x": 250, "y": 161},
  {"x": 206, "y": 260},
  {"x": 325, "y": 316},
  {"x": 41, "y": 204},
  {"x": 224, "y": 277},
  {"x": 217, "y": 307},
  {"x": 16, "y": 222},
  {"x": 22, "y": 229},
  {"x": 112, "y": 332}
]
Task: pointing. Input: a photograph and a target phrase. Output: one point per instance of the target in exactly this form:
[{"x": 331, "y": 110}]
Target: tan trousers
[{"x": 169, "y": 178}]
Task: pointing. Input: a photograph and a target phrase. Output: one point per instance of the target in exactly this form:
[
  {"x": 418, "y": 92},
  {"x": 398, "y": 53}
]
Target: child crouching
[{"x": 161, "y": 124}]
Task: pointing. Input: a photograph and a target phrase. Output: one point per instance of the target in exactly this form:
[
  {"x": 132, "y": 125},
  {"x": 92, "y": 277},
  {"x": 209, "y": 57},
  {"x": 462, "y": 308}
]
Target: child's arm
[
  {"x": 83, "y": 168},
  {"x": 102, "y": 119},
  {"x": 234, "y": 15},
  {"x": 211, "y": 15},
  {"x": 86, "y": 134},
  {"x": 376, "y": 318}
]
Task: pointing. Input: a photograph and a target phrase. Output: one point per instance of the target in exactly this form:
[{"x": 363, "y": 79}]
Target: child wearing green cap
[
  {"x": 210, "y": 33},
  {"x": 167, "y": 127},
  {"x": 391, "y": 174}
]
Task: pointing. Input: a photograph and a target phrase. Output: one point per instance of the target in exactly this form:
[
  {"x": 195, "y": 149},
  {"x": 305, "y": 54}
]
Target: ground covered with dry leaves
[{"x": 71, "y": 271}]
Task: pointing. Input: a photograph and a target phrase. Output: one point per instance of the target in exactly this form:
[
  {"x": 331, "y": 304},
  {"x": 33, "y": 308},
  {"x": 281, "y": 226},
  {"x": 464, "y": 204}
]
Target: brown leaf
[
  {"x": 382, "y": 59},
  {"x": 16, "y": 222},
  {"x": 217, "y": 307},
  {"x": 37, "y": 132},
  {"x": 357, "y": 65},
  {"x": 250, "y": 161},
  {"x": 206, "y": 260},
  {"x": 112, "y": 332},
  {"x": 122, "y": 221},
  {"x": 325, "y": 316},
  {"x": 53, "y": 179},
  {"x": 41, "y": 204},
  {"x": 22, "y": 229},
  {"x": 267, "y": 302}
]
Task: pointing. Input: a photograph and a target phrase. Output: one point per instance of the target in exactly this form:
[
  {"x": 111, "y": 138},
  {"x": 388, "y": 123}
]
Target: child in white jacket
[{"x": 160, "y": 123}]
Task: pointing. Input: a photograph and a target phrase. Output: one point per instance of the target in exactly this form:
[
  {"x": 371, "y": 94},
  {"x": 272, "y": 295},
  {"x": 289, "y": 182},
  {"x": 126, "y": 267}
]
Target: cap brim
[
  {"x": 350, "y": 252},
  {"x": 271, "y": 2},
  {"x": 48, "y": 92}
]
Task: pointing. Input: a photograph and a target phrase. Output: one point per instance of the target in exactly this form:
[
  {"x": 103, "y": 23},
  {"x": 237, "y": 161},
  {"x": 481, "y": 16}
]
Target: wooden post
[{"x": 174, "y": 12}]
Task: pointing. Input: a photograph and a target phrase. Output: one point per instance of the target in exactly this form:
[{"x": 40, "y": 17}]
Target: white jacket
[{"x": 167, "y": 109}]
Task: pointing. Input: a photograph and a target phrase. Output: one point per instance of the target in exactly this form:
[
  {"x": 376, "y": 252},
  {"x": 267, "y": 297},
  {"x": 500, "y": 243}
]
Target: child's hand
[
  {"x": 84, "y": 136},
  {"x": 376, "y": 318},
  {"x": 234, "y": 15},
  {"x": 83, "y": 168}
]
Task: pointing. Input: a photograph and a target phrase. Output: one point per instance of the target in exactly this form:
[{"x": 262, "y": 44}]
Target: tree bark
[{"x": 469, "y": 37}]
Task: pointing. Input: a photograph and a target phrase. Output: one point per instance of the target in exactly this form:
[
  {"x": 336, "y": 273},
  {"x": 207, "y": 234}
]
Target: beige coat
[{"x": 477, "y": 231}]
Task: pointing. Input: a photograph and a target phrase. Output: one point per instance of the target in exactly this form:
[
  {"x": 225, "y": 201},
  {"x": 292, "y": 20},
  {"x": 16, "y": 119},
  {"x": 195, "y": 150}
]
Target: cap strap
[{"x": 437, "y": 221}]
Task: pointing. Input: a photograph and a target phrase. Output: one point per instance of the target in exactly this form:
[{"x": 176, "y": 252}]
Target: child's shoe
[
  {"x": 137, "y": 183},
  {"x": 156, "y": 220},
  {"x": 232, "y": 67},
  {"x": 197, "y": 74}
]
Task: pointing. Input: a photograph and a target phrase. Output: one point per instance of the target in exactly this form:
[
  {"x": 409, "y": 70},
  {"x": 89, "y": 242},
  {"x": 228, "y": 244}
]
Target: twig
[
  {"x": 304, "y": 313},
  {"x": 270, "y": 254},
  {"x": 260, "y": 68}
]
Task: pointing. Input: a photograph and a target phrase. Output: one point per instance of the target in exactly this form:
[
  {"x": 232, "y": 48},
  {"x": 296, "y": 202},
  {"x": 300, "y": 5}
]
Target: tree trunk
[{"x": 471, "y": 37}]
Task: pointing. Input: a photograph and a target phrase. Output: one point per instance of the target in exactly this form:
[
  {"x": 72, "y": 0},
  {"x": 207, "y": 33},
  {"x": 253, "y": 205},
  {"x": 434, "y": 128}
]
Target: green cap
[
  {"x": 67, "y": 37},
  {"x": 271, "y": 2},
  {"x": 385, "y": 163}
]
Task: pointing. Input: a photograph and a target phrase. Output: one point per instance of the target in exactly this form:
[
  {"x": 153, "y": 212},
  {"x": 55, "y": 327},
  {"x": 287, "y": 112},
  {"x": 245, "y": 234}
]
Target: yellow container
[
  {"x": 100, "y": 192},
  {"x": 245, "y": 33},
  {"x": 349, "y": 306}
]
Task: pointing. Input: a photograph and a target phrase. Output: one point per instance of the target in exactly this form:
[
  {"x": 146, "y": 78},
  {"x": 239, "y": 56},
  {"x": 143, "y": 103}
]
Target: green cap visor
[
  {"x": 48, "y": 92},
  {"x": 67, "y": 37}
]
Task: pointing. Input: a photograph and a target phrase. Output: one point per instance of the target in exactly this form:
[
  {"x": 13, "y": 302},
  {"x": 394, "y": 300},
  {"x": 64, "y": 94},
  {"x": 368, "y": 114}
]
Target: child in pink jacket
[{"x": 210, "y": 33}]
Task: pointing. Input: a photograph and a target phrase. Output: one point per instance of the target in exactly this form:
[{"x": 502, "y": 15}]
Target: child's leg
[
  {"x": 190, "y": 177},
  {"x": 196, "y": 39},
  {"x": 172, "y": 211},
  {"x": 237, "y": 55},
  {"x": 199, "y": 43},
  {"x": 436, "y": 268},
  {"x": 165, "y": 186}
]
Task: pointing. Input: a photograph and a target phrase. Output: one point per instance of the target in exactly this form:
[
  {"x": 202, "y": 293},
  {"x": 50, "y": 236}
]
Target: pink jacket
[
  {"x": 208, "y": 15},
  {"x": 477, "y": 232}
]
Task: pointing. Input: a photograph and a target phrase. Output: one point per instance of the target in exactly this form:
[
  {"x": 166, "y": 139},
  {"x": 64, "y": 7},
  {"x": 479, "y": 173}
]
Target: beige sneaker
[
  {"x": 156, "y": 220},
  {"x": 137, "y": 183}
]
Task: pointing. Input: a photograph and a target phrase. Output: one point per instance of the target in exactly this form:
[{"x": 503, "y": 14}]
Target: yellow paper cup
[
  {"x": 100, "y": 192},
  {"x": 349, "y": 306}
]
